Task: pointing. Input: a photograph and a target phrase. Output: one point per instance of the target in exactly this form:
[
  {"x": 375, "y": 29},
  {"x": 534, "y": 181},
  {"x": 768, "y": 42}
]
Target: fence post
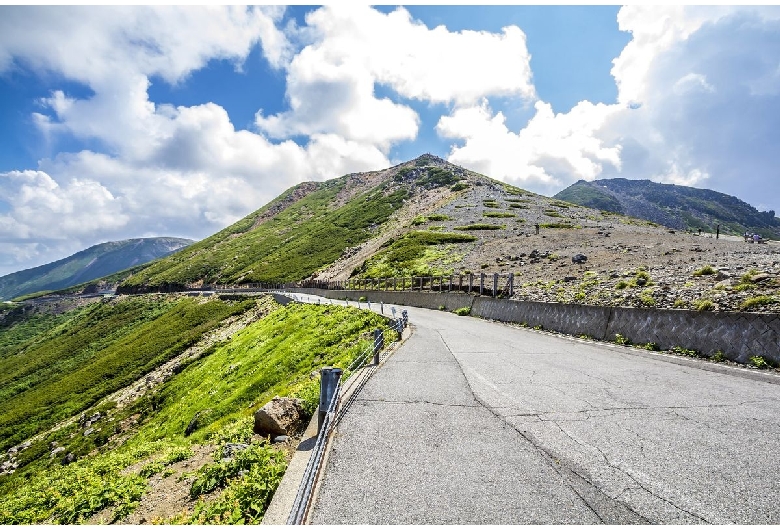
[
  {"x": 329, "y": 384},
  {"x": 511, "y": 284},
  {"x": 394, "y": 282},
  {"x": 481, "y": 283},
  {"x": 379, "y": 344},
  {"x": 460, "y": 282},
  {"x": 381, "y": 307},
  {"x": 495, "y": 284},
  {"x": 450, "y": 288},
  {"x": 405, "y": 317}
]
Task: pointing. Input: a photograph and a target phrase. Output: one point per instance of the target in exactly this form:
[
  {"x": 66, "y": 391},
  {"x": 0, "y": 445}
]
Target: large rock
[{"x": 280, "y": 416}]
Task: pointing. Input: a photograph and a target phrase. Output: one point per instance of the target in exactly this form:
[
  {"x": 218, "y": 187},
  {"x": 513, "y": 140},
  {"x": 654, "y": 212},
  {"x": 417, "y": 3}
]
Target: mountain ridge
[
  {"x": 89, "y": 264},
  {"x": 672, "y": 205}
]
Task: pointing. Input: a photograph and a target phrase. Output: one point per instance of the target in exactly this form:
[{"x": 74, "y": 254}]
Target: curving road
[{"x": 479, "y": 422}]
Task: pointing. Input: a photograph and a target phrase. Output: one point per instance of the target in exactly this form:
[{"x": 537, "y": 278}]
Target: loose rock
[{"x": 280, "y": 416}]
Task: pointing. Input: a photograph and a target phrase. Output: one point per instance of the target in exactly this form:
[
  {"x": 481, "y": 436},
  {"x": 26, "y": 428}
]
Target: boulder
[
  {"x": 280, "y": 416},
  {"x": 579, "y": 259}
]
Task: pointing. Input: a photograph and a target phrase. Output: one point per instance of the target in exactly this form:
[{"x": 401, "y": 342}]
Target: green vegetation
[
  {"x": 480, "y": 226},
  {"x": 620, "y": 339},
  {"x": 591, "y": 195},
  {"x": 705, "y": 271},
  {"x": 462, "y": 311},
  {"x": 756, "y": 301},
  {"x": 439, "y": 217},
  {"x": 303, "y": 236},
  {"x": 68, "y": 365},
  {"x": 646, "y": 297},
  {"x": 273, "y": 356},
  {"x": 704, "y": 305},
  {"x": 498, "y": 214},
  {"x": 684, "y": 351},
  {"x": 760, "y": 362},
  {"x": 414, "y": 254},
  {"x": 460, "y": 186},
  {"x": 552, "y": 213},
  {"x": 718, "y": 357},
  {"x": 516, "y": 205}
]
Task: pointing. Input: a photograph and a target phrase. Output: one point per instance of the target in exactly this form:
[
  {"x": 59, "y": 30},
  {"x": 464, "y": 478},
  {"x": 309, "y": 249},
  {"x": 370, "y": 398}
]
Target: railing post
[
  {"x": 481, "y": 283},
  {"x": 379, "y": 344},
  {"x": 405, "y": 317},
  {"x": 381, "y": 307},
  {"x": 471, "y": 281},
  {"x": 511, "y": 284},
  {"x": 329, "y": 384},
  {"x": 460, "y": 282},
  {"x": 450, "y": 288},
  {"x": 495, "y": 284}
]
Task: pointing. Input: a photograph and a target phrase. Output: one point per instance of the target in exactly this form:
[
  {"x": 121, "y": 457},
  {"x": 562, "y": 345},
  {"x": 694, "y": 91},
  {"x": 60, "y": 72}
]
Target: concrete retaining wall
[{"x": 738, "y": 335}]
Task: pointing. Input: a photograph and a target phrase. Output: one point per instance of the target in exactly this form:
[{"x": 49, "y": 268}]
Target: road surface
[{"x": 479, "y": 422}]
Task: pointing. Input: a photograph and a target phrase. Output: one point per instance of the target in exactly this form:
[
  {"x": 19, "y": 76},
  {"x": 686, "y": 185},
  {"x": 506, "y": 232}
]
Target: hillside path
[{"x": 472, "y": 421}]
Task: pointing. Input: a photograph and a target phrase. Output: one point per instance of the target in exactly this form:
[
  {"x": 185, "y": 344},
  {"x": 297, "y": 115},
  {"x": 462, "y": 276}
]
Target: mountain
[
  {"x": 95, "y": 262},
  {"x": 680, "y": 207},
  {"x": 428, "y": 217}
]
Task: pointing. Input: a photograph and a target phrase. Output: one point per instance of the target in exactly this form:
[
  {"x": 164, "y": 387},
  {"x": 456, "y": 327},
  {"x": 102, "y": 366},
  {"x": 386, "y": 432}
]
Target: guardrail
[{"x": 332, "y": 389}]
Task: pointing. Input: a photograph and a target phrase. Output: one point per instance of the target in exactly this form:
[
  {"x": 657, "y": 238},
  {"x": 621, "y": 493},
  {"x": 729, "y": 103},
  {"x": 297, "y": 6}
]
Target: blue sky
[{"x": 123, "y": 122}]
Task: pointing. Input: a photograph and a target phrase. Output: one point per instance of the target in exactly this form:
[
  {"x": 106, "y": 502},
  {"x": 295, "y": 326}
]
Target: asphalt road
[{"x": 479, "y": 422}]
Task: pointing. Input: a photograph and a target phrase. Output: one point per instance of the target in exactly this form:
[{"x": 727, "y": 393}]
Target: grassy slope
[
  {"x": 305, "y": 236},
  {"x": 275, "y": 355},
  {"x": 52, "y": 368}
]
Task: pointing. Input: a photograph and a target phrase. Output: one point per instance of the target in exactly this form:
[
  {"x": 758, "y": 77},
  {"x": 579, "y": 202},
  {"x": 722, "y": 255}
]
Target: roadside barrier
[{"x": 332, "y": 389}]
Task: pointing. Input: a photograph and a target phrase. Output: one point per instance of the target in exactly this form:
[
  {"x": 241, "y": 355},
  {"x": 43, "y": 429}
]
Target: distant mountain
[
  {"x": 680, "y": 207},
  {"x": 95, "y": 262}
]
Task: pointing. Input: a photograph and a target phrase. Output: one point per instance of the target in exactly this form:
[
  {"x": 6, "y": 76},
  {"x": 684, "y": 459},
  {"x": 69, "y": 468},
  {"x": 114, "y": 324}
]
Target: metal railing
[
  {"x": 496, "y": 285},
  {"x": 331, "y": 413}
]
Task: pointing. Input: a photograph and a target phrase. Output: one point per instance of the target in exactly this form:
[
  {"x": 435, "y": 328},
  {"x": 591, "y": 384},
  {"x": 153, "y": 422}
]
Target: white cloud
[
  {"x": 331, "y": 82},
  {"x": 550, "y": 150}
]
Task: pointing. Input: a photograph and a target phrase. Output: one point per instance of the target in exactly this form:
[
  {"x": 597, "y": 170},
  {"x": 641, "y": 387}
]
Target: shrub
[
  {"x": 462, "y": 311},
  {"x": 620, "y": 339},
  {"x": 705, "y": 271},
  {"x": 718, "y": 357},
  {"x": 498, "y": 214},
  {"x": 459, "y": 186},
  {"x": 680, "y": 303},
  {"x": 756, "y": 301},
  {"x": 704, "y": 305},
  {"x": 759, "y": 362},
  {"x": 362, "y": 299},
  {"x": 622, "y": 284}
]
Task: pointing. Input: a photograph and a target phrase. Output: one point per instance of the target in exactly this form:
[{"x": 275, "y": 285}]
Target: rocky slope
[
  {"x": 680, "y": 207},
  {"x": 429, "y": 217},
  {"x": 95, "y": 262}
]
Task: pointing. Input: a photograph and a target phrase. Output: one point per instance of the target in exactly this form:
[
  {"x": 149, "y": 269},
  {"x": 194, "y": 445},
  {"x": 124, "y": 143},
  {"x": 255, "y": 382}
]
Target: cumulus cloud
[
  {"x": 331, "y": 82},
  {"x": 697, "y": 97},
  {"x": 550, "y": 150}
]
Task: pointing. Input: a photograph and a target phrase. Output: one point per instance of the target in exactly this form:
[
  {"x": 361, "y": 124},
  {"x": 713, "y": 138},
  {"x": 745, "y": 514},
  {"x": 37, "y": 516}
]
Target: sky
[{"x": 121, "y": 122}]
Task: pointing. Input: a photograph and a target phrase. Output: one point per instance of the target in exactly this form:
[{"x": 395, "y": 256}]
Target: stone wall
[{"x": 738, "y": 335}]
